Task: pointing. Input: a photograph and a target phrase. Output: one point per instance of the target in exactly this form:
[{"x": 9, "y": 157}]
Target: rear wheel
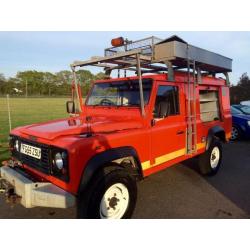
[
  {"x": 210, "y": 161},
  {"x": 111, "y": 195}
]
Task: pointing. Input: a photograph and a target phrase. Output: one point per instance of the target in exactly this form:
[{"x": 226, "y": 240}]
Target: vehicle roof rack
[
  {"x": 154, "y": 55},
  {"x": 157, "y": 55}
]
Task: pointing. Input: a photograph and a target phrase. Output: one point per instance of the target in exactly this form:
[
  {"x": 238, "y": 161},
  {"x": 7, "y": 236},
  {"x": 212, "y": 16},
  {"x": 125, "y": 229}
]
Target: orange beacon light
[{"x": 119, "y": 41}]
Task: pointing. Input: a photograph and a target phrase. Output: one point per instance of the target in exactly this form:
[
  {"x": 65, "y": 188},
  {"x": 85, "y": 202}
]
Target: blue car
[{"x": 241, "y": 121}]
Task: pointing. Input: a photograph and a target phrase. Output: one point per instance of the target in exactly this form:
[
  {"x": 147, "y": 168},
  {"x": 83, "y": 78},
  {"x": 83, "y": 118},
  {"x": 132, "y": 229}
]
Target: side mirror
[{"x": 70, "y": 106}]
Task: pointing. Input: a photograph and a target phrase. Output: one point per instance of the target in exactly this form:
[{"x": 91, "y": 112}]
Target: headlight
[
  {"x": 248, "y": 122},
  {"x": 16, "y": 145},
  {"x": 60, "y": 164},
  {"x": 58, "y": 161}
]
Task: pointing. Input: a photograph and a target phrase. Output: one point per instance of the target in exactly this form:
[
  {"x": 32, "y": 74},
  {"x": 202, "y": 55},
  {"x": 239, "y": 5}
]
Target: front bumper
[{"x": 36, "y": 194}]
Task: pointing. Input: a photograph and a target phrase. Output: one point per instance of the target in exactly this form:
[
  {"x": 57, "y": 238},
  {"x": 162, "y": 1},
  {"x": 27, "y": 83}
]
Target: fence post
[
  {"x": 26, "y": 88},
  {"x": 8, "y": 105}
]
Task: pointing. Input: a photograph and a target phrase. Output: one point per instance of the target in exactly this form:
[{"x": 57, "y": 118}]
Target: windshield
[
  {"x": 235, "y": 111},
  {"x": 120, "y": 93},
  {"x": 245, "y": 109}
]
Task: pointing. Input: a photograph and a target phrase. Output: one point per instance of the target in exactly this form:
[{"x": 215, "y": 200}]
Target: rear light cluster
[{"x": 54, "y": 161}]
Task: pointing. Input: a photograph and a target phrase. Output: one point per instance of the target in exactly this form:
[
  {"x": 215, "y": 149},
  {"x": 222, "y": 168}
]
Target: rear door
[{"x": 168, "y": 131}]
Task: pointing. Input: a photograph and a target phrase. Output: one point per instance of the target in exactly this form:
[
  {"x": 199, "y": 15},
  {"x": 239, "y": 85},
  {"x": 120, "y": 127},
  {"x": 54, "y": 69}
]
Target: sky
[{"x": 55, "y": 51}]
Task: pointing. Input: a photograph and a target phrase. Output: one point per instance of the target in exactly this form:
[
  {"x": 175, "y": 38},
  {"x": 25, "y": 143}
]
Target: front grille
[{"x": 42, "y": 164}]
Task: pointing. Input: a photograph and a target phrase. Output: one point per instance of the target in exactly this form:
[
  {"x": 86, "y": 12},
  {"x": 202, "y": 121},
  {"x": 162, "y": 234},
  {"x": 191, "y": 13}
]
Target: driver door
[{"x": 168, "y": 126}]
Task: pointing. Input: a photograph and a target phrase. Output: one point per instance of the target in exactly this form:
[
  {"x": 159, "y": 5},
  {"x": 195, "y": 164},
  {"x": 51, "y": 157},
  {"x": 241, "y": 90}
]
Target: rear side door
[{"x": 168, "y": 131}]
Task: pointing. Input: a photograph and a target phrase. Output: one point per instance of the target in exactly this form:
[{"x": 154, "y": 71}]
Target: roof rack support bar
[
  {"x": 140, "y": 84},
  {"x": 77, "y": 90},
  {"x": 199, "y": 77},
  {"x": 170, "y": 70},
  {"x": 108, "y": 71},
  {"x": 105, "y": 59},
  {"x": 227, "y": 78},
  {"x": 129, "y": 66}
]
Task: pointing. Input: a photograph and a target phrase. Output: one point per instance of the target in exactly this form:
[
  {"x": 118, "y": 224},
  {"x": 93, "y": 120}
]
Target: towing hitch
[
  {"x": 12, "y": 197},
  {"x": 9, "y": 192}
]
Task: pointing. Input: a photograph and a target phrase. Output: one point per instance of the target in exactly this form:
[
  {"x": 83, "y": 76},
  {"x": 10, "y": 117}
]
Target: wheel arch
[
  {"x": 114, "y": 155},
  {"x": 216, "y": 131}
]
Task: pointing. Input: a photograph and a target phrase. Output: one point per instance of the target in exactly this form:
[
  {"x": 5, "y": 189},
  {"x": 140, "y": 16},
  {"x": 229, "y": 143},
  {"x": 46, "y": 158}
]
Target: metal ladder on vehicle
[{"x": 191, "y": 107}]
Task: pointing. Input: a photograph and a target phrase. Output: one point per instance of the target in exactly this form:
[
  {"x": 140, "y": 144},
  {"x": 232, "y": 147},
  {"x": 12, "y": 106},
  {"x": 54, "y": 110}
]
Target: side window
[
  {"x": 209, "y": 105},
  {"x": 167, "y": 101}
]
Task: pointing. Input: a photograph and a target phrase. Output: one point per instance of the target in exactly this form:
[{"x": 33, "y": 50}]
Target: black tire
[
  {"x": 236, "y": 133},
  {"x": 205, "y": 164},
  {"x": 89, "y": 202}
]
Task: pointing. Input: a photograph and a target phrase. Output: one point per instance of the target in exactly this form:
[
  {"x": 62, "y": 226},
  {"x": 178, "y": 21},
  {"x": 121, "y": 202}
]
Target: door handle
[{"x": 180, "y": 132}]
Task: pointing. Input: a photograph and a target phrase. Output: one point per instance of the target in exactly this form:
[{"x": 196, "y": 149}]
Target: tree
[
  {"x": 33, "y": 79},
  {"x": 2, "y": 78},
  {"x": 85, "y": 78},
  {"x": 100, "y": 76},
  {"x": 64, "y": 77},
  {"x": 240, "y": 92},
  {"x": 47, "y": 83},
  {"x": 84, "y": 75},
  {"x": 2, "y": 84},
  {"x": 7, "y": 86}
]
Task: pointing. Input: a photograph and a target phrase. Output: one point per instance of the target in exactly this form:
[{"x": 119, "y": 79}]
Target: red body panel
[{"x": 157, "y": 146}]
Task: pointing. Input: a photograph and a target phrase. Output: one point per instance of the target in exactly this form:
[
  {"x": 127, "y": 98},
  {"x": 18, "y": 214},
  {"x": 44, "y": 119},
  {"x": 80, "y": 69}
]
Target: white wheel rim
[
  {"x": 235, "y": 133},
  {"x": 215, "y": 157},
  {"x": 114, "y": 202}
]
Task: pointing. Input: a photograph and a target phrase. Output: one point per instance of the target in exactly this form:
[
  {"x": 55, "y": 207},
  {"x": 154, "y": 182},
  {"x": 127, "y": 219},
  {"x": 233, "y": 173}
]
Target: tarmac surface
[{"x": 179, "y": 192}]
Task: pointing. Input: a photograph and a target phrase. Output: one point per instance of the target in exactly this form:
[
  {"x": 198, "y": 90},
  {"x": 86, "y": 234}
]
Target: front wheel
[
  {"x": 115, "y": 202},
  {"x": 210, "y": 161},
  {"x": 111, "y": 195}
]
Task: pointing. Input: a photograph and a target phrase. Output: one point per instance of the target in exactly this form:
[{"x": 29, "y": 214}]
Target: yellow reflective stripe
[
  {"x": 200, "y": 145},
  {"x": 168, "y": 157},
  {"x": 145, "y": 165}
]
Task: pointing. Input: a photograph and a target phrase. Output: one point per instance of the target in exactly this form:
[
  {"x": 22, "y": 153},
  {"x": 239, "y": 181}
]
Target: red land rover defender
[{"x": 172, "y": 109}]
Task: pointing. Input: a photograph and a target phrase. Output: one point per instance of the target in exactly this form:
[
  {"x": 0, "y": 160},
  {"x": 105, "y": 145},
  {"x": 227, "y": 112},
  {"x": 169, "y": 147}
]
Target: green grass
[{"x": 27, "y": 111}]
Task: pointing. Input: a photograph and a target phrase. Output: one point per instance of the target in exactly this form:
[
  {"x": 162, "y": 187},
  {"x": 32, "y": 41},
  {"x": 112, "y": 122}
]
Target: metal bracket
[
  {"x": 170, "y": 70},
  {"x": 199, "y": 77},
  {"x": 108, "y": 71}
]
